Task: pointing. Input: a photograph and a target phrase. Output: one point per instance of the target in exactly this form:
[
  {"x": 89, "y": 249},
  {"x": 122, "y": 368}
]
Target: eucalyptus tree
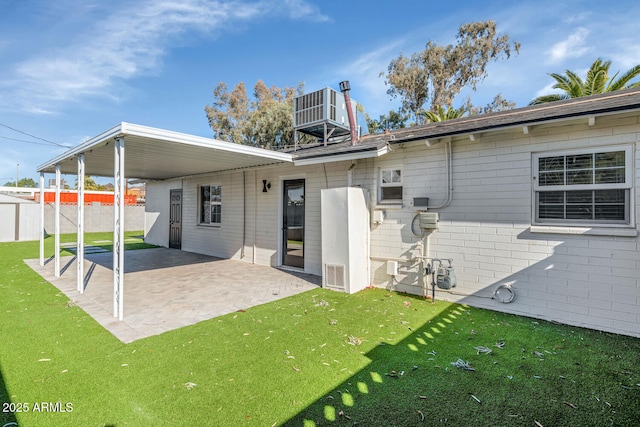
[
  {"x": 597, "y": 81},
  {"x": 265, "y": 120},
  {"x": 392, "y": 120},
  {"x": 435, "y": 76}
]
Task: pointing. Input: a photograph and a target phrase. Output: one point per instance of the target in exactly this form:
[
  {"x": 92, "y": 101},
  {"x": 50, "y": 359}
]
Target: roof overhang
[
  {"x": 587, "y": 109},
  {"x": 158, "y": 154},
  {"x": 368, "y": 153}
]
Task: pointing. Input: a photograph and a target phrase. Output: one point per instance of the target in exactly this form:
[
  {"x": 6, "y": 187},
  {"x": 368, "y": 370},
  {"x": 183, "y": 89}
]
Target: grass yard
[{"x": 319, "y": 358}]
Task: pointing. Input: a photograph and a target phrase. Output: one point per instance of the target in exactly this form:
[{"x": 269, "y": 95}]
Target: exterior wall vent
[{"x": 334, "y": 276}]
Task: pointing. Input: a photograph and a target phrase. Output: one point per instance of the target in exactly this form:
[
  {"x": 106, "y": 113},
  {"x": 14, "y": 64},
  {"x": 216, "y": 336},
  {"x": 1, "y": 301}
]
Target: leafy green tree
[
  {"x": 435, "y": 76},
  {"x": 92, "y": 185},
  {"x": 441, "y": 114},
  {"x": 23, "y": 182},
  {"x": 392, "y": 120},
  {"x": 497, "y": 104},
  {"x": 264, "y": 121},
  {"x": 449, "y": 113},
  {"x": 596, "y": 81}
]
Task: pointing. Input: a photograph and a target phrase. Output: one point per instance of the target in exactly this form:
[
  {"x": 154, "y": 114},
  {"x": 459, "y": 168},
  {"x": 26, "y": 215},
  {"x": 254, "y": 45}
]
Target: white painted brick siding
[
  {"x": 591, "y": 281},
  {"x": 246, "y": 207}
]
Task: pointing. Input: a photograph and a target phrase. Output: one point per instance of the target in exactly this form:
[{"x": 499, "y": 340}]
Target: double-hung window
[
  {"x": 588, "y": 186},
  {"x": 210, "y": 205},
  {"x": 391, "y": 185}
]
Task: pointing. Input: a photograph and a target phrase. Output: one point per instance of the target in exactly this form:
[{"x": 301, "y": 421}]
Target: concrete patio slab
[{"x": 166, "y": 289}]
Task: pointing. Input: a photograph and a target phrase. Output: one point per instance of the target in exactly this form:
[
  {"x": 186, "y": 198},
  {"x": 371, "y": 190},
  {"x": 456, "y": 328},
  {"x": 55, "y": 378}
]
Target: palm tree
[
  {"x": 597, "y": 81},
  {"x": 440, "y": 115}
]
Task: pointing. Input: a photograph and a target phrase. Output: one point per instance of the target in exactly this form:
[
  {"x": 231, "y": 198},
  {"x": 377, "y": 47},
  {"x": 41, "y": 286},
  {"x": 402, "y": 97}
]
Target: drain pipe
[
  {"x": 244, "y": 212},
  {"x": 345, "y": 87},
  {"x": 255, "y": 214},
  {"x": 352, "y": 166},
  {"x": 448, "y": 155}
]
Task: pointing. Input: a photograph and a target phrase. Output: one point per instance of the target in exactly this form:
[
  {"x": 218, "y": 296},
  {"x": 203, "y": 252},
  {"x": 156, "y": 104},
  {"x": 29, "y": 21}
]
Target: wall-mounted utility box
[
  {"x": 392, "y": 268},
  {"x": 378, "y": 217},
  {"x": 429, "y": 220}
]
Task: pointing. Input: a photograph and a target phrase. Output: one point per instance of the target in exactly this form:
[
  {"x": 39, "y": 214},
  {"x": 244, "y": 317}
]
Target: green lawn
[{"x": 319, "y": 358}]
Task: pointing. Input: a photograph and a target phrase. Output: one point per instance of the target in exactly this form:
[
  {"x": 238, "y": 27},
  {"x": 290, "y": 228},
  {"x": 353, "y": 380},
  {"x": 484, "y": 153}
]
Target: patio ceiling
[{"x": 156, "y": 154}]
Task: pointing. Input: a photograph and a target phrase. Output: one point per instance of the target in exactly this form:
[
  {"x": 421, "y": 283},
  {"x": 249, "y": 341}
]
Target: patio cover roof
[{"x": 156, "y": 154}]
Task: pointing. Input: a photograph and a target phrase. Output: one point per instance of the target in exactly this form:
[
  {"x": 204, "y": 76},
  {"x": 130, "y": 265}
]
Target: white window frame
[
  {"x": 627, "y": 185},
  {"x": 211, "y": 203},
  {"x": 382, "y": 185}
]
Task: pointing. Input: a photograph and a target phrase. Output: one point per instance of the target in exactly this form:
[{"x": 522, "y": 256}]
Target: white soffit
[{"x": 152, "y": 153}]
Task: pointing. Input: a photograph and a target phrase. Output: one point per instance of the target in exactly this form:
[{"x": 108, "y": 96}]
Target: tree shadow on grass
[
  {"x": 535, "y": 371},
  {"x": 394, "y": 389},
  {"x": 7, "y": 417}
]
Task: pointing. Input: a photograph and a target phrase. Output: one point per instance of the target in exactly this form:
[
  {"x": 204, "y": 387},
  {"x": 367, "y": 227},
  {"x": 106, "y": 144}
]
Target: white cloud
[
  {"x": 628, "y": 56},
  {"x": 364, "y": 74},
  {"x": 126, "y": 44},
  {"x": 572, "y": 47},
  {"x": 547, "y": 90},
  {"x": 300, "y": 9},
  {"x": 576, "y": 18}
]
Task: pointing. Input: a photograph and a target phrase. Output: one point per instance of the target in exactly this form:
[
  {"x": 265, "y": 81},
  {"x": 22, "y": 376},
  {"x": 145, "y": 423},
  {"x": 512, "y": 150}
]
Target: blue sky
[{"x": 71, "y": 69}]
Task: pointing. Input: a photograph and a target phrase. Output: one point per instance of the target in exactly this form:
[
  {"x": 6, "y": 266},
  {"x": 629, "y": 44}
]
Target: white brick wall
[
  {"x": 584, "y": 280},
  {"x": 245, "y": 210}
]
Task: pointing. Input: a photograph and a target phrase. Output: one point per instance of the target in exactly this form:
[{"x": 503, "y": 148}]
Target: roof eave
[
  {"x": 96, "y": 141},
  {"x": 128, "y": 129},
  {"x": 335, "y": 157}
]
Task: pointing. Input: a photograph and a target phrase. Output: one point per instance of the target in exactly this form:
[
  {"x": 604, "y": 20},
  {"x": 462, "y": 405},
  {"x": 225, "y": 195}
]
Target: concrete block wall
[
  {"x": 580, "y": 279},
  {"x": 97, "y": 218}
]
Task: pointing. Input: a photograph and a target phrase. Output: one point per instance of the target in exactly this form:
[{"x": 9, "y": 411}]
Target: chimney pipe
[{"x": 345, "y": 88}]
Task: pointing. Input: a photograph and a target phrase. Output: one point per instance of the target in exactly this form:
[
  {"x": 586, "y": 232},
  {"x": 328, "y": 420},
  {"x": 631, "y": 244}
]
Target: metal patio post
[
  {"x": 57, "y": 225},
  {"x": 42, "y": 230},
  {"x": 118, "y": 229},
  {"x": 80, "y": 239}
]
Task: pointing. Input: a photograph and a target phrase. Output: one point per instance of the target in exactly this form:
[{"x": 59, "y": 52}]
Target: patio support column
[
  {"x": 56, "y": 228},
  {"x": 80, "y": 239},
  {"x": 42, "y": 231},
  {"x": 118, "y": 229}
]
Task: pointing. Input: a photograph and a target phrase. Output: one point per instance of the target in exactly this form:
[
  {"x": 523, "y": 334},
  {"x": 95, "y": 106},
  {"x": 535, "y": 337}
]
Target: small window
[
  {"x": 210, "y": 205},
  {"x": 391, "y": 185},
  {"x": 584, "y": 186}
]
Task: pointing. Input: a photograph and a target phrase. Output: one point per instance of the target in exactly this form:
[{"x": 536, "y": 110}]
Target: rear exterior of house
[
  {"x": 543, "y": 202},
  {"x": 250, "y": 224}
]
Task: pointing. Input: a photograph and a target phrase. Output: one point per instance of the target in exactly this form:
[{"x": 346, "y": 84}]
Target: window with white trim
[
  {"x": 584, "y": 187},
  {"x": 391, "y": 185},
  {"x": 210, "y": 198}
]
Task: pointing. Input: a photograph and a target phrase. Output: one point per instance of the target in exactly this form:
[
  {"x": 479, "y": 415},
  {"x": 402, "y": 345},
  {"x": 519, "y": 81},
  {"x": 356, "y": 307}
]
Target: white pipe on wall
[{"x": 449, "y": 165}]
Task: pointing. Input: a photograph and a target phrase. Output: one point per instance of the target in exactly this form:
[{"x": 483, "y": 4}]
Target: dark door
[
  {"x": 175, "y": 219},
  {"x": 293, "y": 223}
]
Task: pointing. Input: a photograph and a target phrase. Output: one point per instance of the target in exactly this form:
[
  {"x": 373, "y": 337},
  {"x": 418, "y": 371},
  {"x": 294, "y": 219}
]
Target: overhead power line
[
  {"x": 25, "y": 141},
  {"x": 32, "y": 136}
]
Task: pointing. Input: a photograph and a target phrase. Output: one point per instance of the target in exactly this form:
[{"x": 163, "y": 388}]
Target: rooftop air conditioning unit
[{"x": 322, "y": 113}]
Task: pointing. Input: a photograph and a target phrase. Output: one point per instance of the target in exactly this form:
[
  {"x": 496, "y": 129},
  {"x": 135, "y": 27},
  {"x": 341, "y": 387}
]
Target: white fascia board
[
  {"x": 124, "y": 129},
  {"x": 85, "y": 146},
  {"x": 340, "y": 157},
  {"x": 200, "y": 141}
]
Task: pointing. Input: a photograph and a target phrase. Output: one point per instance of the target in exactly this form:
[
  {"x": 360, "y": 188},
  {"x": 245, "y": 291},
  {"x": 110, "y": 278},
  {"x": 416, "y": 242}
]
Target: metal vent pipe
[{"x": 345, "y": 88}]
